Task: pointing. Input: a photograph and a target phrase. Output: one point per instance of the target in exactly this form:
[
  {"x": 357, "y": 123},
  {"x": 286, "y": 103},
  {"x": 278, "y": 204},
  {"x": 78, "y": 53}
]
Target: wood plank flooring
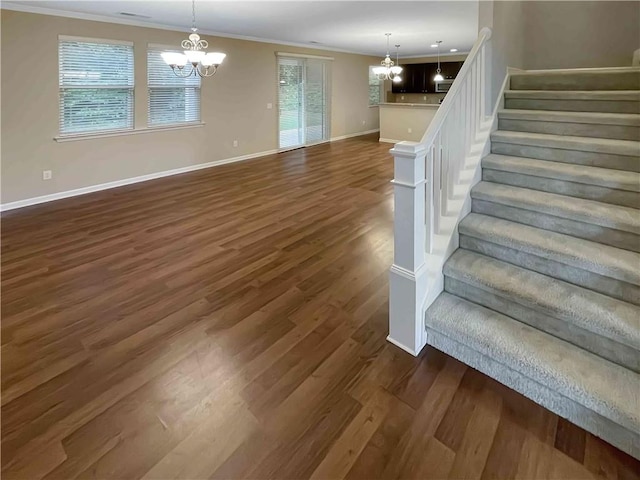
[{"x": 230, "y": 323}]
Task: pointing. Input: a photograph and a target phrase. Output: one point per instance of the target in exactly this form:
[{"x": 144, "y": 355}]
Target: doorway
[{"x": 303, "y": 98}]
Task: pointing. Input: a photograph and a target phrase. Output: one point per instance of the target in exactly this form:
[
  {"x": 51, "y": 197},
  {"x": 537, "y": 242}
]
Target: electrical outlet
[
  {"x": 364, "y": 122},
  {"x": 402, "y": 97},
  {"x": 235, "y": 143},
  {"x": 269, "y": 106},
  {"x": 46, "y": 175},
  {"x": 424, "y": 97},
  {"x": 410, "y": 130}
]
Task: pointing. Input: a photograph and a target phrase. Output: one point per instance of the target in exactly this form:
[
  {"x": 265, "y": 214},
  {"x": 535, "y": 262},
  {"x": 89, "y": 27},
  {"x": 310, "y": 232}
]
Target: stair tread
[
  {"x": 586, "y": 309},
  {"x": 597, "y": 384},
  {"x": 603, "y": 177},
  {"x": 598, "y": 118},
  {"x": 605, "y": 95},
  {"x": 572, "y": 208},
  {"x": 595, "y": 257},
  {"x": 568, "y": 142}
]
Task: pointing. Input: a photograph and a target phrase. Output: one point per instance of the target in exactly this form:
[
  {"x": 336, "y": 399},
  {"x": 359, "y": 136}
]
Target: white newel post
[{"x": 407, "y": 278}]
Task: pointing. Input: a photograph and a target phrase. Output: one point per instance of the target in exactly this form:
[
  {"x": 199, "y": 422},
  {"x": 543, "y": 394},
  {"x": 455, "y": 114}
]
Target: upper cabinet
[{"x": 418, "y": 77}]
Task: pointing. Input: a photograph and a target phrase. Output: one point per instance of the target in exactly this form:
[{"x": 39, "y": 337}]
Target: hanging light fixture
[
  {"x": 397, "y": 78},
  {"x": 387, "y": 69},
  {"x": 438, "y": 77},
  {"x": 201, "y": 63}
]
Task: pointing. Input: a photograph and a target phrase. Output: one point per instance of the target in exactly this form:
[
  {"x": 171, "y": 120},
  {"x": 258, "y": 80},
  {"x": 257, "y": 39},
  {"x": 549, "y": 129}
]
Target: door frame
[{"x": 326, "y": 71}]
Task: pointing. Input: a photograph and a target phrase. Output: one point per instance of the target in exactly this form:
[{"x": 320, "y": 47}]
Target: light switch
[{"x": 269, "y": 106}]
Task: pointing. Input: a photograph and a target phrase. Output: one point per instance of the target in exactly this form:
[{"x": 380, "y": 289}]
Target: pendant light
[
  {"x": 438, "y": 77},
  {"x": 387, "y": 69},
  {"x": 397, "y": 78}
]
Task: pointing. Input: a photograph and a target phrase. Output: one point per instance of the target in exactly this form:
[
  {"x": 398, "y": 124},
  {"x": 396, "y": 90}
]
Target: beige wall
[
  {"x": 559, "y": 34},
  {"x": 233, "y": 107},
  {"x": 396, "y": 120},
  {"x": 507, "y": 39},
  {"x": 580, "y": 34}
]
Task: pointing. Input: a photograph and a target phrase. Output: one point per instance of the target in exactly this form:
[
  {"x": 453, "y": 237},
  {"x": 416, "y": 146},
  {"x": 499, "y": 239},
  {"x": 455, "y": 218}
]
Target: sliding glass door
[{"x": 303, "y": 98}]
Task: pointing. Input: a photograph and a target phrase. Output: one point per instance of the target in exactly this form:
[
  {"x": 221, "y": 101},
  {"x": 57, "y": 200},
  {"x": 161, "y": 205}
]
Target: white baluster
[
  {"x": 472, "y": 105},
  {"x": 437, "y": 187}
]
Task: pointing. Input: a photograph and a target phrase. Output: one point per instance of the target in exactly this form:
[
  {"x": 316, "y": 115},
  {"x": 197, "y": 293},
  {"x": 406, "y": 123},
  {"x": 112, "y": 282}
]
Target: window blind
[
  {"x": 96, "y": 86},
  {"x": 172, "y": 99}
]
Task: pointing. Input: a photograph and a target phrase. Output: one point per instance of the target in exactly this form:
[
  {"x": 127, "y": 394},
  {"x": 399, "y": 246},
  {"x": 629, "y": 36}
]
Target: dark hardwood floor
[{"x": 231, "y": 323}]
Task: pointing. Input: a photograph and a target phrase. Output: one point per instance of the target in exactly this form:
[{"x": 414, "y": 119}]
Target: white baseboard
[
  {"x": 351, "y": 135},
  {"x": 127, "y": 181},
  {"x": 389, "y": 140},
  {"x": 402, "y": 346},
  {"x": 152, "y": 176}
]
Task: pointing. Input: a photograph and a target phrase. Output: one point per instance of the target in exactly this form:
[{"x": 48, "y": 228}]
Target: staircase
[{"x": 544, "y": 292}]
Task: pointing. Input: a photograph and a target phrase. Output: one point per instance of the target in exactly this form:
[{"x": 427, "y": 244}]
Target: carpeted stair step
[
  {"x": 605, "y": 326},
  {"x": 600, "y": 222},
  {"x": 595, "y": 394},
  {"x": 619, "y": 126},
  {"x": 614, "y": 101},
  {"x": 627, "y": 78},
  {"x": 595, "y": 152},
  {"x": 593, "y": 183},
  {"x": 601, "y": 268}
]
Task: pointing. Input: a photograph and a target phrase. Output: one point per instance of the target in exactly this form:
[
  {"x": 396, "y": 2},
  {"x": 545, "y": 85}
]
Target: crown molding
[
  {"x": 17, "y": 7},
  {"x": 434, "y": 55}
]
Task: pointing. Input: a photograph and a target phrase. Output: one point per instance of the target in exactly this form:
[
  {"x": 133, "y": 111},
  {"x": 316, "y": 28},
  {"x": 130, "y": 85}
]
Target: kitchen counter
[{"x": 405, "y": 121}]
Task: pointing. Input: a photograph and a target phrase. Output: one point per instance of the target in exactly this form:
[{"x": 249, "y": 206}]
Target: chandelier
[
  {"x": 199, "y": 62},
  {"x": 387, "y": 69}
]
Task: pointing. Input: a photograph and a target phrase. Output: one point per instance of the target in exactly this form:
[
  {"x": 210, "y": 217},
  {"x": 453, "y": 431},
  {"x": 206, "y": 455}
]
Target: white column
[{"x": 407, "y": 279}]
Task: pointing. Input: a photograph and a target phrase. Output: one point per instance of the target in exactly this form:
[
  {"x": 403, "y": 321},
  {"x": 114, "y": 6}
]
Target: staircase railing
[{"x": 430, "y": 189}]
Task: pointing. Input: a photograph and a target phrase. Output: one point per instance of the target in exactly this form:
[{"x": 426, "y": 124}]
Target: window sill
[{"x": 119, "y": 133}]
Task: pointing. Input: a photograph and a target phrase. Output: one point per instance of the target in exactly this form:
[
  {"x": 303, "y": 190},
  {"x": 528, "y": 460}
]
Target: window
[
  {"x": 172, "y": 99},
  {"x": 375, "y": 90},
  {"x": 96, "y": 85}
]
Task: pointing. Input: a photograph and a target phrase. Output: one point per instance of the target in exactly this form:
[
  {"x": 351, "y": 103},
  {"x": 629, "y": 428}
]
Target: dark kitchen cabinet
[
  {"x": 450, "y": 69},
  {"x": 413, "y": 79},
  {"x": 406, "y": 84},
  {"x": 418, "y": 77}
]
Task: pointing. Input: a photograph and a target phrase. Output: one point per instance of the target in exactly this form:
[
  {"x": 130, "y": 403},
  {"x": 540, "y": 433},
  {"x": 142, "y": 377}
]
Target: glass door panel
[
  {"x": 303, "y": 99},
  {"x": 315, "y": 102},
  {"x": 291, "y": 102}
]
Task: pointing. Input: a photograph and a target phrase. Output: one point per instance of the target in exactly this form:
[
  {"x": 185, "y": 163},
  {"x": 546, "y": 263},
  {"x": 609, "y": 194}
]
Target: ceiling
[{"x": 355, "y": 26}]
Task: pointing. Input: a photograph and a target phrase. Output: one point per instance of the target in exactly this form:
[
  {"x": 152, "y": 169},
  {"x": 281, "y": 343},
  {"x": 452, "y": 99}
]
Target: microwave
[{"x": 444, "y": 86}]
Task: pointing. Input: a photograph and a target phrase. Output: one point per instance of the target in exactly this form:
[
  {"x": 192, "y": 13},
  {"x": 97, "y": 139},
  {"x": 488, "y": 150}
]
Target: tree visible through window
[
  {"x": 172, "y": 99},
  {"x": 96, "y": 85},
  {"x": 374, "y": 88}
]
